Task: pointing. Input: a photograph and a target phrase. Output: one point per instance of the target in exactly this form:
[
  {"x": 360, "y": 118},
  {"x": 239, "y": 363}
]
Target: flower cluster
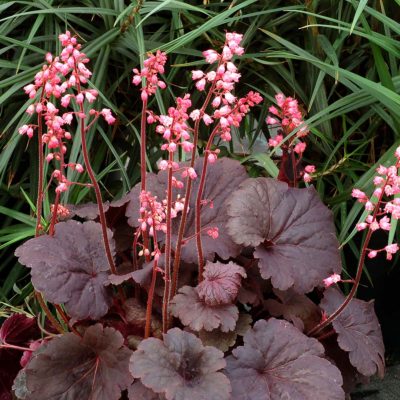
[
  {"x": 331, "y": 280},
  {"x": 228, "y": 109},
  {"x": 152, "y": 66},
  {"x": 61, "y": 79},
  {"x": 153, "y": 213},
  {"x": 387, "y": 184},
  {"x": 286, "y": 118}
]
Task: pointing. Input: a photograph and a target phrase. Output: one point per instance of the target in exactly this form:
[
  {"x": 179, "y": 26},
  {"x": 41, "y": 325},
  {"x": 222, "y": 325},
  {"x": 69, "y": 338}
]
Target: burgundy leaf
[
  {"x": 294, "y": 307},
  {"x": 95, "y": 367},
  {"x": 196, "y": 314},
  {"x": 291, "y": 229},
  {"x": 181, "y": 367},
  {"x": 86, "y": 211},
  {"x": 221, "y": 283},
  {"x": 224, "y": 340},
  {"x": 138, "y": 391},
  {"x": 222, "y": 178},
  {"x": 359, "y": 332},
  {"x": 278, "y": 362},
  {"x": 71, "y": 267},
  {"x": 19, "y": 329}
]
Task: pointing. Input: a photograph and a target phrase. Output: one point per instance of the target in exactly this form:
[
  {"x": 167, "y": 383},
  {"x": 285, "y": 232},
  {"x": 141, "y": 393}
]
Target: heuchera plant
[{"x": 201, "y": 283}]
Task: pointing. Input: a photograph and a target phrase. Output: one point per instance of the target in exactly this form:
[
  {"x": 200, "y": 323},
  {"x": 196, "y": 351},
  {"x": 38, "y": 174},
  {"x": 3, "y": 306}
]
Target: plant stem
[
  {"x": 39, "y": 200},
  {"x": 150, "y": 299},
  {"x": 94, "y": 182},
  {"x": 198, "y": 205},
  {"x": 143, "y": 145},
  {"x": 167, "y": 287},
  {"x": 49, "y": 315},
  {"x": 357, "y": 279},
  {"x": 188, "y": 191}
]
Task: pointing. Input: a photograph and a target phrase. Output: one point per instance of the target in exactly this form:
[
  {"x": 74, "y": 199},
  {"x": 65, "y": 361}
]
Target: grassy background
[{"x": 340, "y": 58}]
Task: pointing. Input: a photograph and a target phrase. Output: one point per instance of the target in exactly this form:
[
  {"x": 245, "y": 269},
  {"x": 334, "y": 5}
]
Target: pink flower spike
[
  {"x": 272, "y": 121},
  {"x": 369, "y": 206},
  {"x": 390, "y": 250},
  {"x": 361, "y": 226},
  {"x": 358, "y": 194},
  {"x": 397, "y": 153},
  {"x": 207, "y": 119},
  {"x": 384, "y": 223},
  {"x": 299, "y": 148},
  {"x": 307, "y": 178},
  {"x": 79, "y": 168},
  {"x": 187, "y": 146},
  {"x": 335, "y": 278},
  {"x": 381, "y": 170},
  {"x": 372, "y": 254},
  {"x": 163, "y": 165},
  {"x": 144, "y": 96},
  {"x": 192, "y": 173},
  {"x": 213, "y": 232},
  {"x": 136, "y": 80},
  {"x": 211, "y": 56},
  {"x": 198, "y": 74},
  {"x": 201, "y": 84},
  {"x": 31, "y": 109},
  {"x": 310, "y": 169}
]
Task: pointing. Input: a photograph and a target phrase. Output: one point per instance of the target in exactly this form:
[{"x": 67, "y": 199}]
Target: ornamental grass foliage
[{"x": 201, "y": 282}]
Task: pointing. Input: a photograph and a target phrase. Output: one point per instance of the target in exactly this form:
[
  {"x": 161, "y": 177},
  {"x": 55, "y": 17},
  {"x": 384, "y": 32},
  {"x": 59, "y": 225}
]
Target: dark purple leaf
[
  {"x": 181, "y": 367},
  {"x": 222, "y": 178},
  {"x": 359, "y": 332},
  {"x": 221, "y": 283},
  {"x": 224, "y": 340},
  {"x": 86, "y": 211},
  {"x": 351, "y": 377},
  {"x": 138, "y": 391},
  {"x": 278, "y": 362},
  {"x": 71, "y": 267},
  {"x": 291, "y": 229},
  {"x": 196, "y": 314},
  {"x": 294, "y": 307},
  {"x": 19, "y": 329},
  {"x": 95, "y": 367}
]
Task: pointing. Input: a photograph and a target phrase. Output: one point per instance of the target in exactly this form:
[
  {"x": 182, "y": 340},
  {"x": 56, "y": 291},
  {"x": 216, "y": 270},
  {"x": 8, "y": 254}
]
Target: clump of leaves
[{"x": 172, "y": 292}]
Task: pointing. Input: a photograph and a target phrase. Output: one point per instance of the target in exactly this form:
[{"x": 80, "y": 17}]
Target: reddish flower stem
[
  {"x": 334, "y": 315},
  {"x": 94, "y": 182},
  {"x": 150, "y": 295},
  {"x": 49, "y": 315},
  {"x": 143, "y": 148},
  {"x": 188, "y": 191},
  {"x": 198, "y": 205},
  {"x": 167, "y": 287},
  {"x": 150, "y": 299},
  {"x": 39, "y": 203},
  {"x": 66, "y": 319},
  {"x": 39, "y": 200},
  {"x": 13, "y": 347},
  {"x": 54, "y": 215}
]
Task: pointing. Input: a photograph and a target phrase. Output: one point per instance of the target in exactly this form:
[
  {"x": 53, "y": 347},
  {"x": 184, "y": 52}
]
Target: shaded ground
[{"x": 386, "y": 389}]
